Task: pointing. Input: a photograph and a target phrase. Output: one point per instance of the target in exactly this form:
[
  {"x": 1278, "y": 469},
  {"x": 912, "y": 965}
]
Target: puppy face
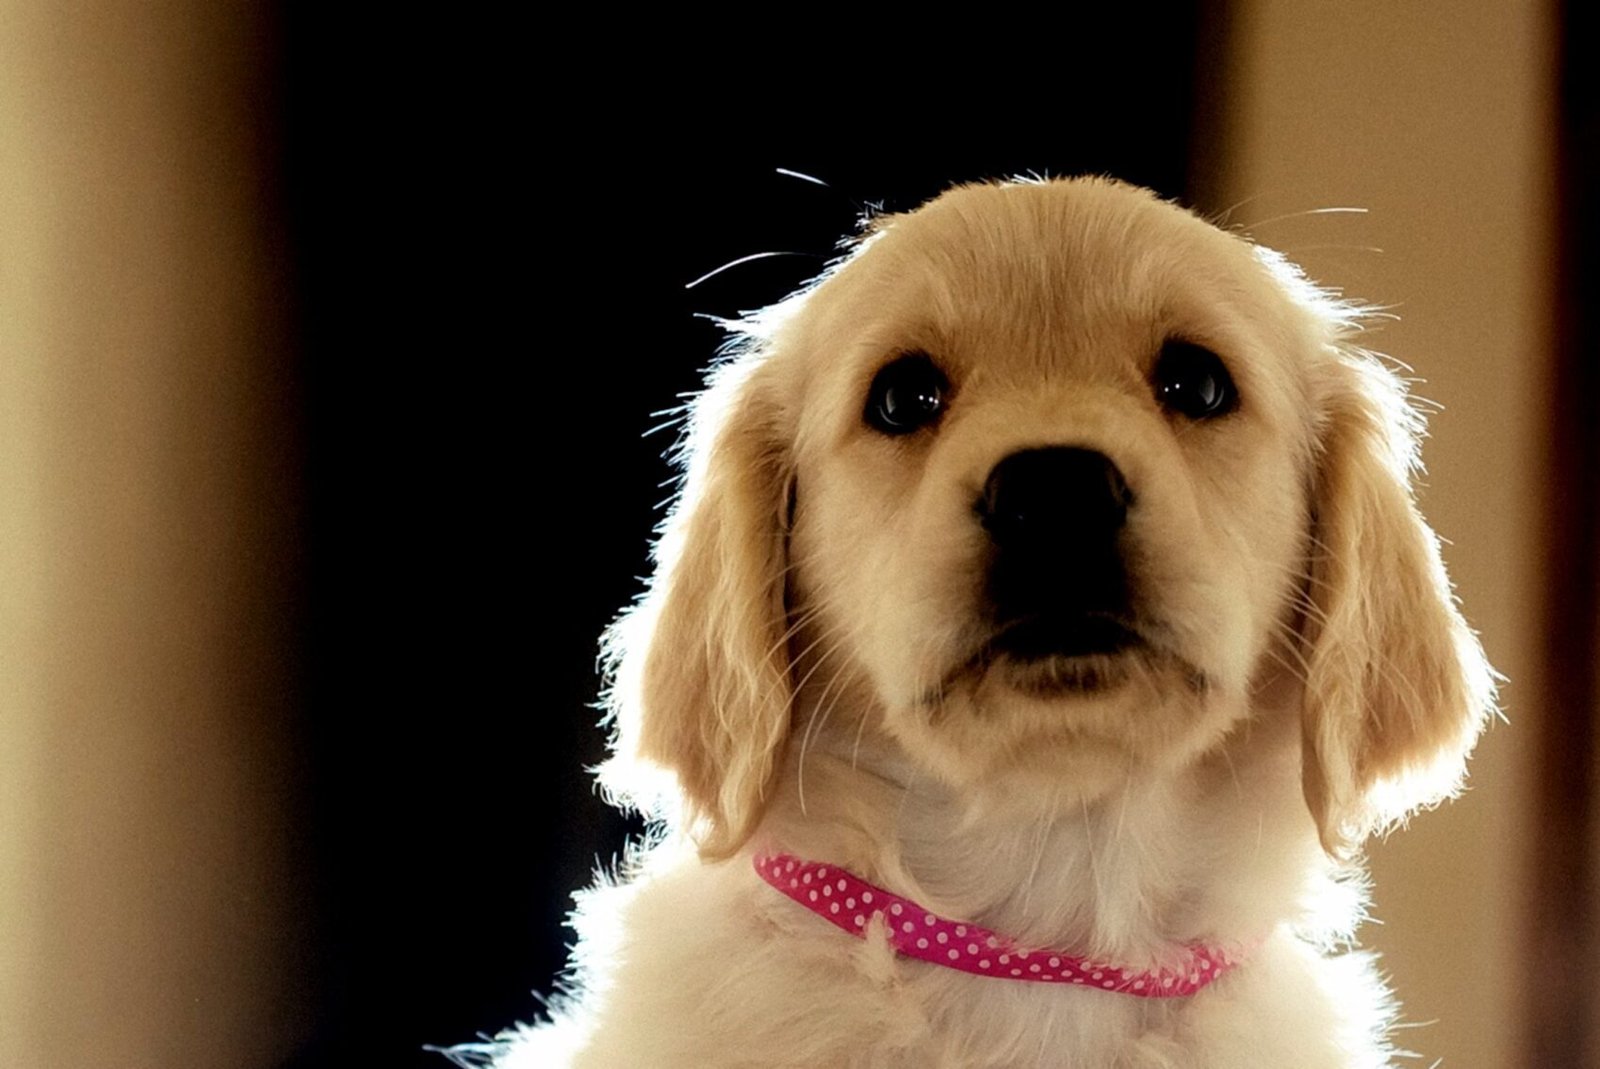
[
  {"x": 1047, "y": 482},
  {"x": 1051, "y": 482}
]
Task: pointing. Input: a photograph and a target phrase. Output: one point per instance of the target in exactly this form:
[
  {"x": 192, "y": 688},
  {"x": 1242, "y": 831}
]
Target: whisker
[
  {"x": 801, "y": 620},
  {"x": 1233, "y": 774},
  {"x": 803, "y": 177},
  {"x": 1338, "y": 248},
  {"x": 816, "y": 723},
  {"x": 855, "y": 752},
  {"x": 1224, "y": 220},
  {"x": 1259, "y": 223},
  {"x": 828, "y": 635},
  {"x": 745, "y": 260}
]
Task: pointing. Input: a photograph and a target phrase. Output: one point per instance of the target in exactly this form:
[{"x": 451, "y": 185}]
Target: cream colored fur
[{"x": 793, "y": 679}]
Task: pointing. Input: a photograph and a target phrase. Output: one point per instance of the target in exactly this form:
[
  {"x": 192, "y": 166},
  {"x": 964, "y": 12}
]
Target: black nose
[
  {"x": 1055, "y": 516},
  {"x": 1049, "y": 500}
]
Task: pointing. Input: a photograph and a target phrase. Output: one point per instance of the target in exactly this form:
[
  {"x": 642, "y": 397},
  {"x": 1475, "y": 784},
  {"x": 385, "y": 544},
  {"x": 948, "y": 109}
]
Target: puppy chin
[
  {"x": 1058, "y": 677},
  {"x": 1071, "y": 726}
]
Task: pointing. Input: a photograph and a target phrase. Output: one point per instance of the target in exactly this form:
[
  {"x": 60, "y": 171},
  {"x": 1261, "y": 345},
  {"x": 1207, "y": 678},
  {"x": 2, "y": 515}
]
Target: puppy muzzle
[{"x": 1057, "y": 582}]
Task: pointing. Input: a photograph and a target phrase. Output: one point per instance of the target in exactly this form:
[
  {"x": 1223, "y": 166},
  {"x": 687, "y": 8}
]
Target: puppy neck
[{"x": 1221, "y": 850}]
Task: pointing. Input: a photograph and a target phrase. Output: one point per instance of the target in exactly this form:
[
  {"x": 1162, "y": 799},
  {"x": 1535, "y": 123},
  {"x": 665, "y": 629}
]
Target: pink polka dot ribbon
[{"x": 850, "y": 903}]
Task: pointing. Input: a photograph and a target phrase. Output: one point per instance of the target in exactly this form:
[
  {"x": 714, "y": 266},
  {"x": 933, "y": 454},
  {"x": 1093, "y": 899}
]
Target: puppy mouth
[
  {"x": 1053, "y": 654},
  {"x": 1044, "y": 635}
]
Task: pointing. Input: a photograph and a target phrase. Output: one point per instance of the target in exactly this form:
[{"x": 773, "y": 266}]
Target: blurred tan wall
[
  {"x": 142, "y": 536},
  {"x": 1437, "y": 119}
]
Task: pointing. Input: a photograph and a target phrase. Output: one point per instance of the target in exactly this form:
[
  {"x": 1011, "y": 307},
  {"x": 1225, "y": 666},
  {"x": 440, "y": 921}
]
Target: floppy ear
[
  {"x": 1397, "y": 685},
  {"x": 700, "y": 683}
]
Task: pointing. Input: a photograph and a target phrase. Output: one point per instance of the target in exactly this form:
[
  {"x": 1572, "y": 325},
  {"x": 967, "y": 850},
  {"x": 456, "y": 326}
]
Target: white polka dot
[
  {"x": 806, "y": 878},
  {"x": 922, "y": 944},
  {"x": 813, "y": 896},
  {"x": 1005, "y": 959},
  {"x": 1023, "y": 954},
  {"x": 1098, "y": 974},
  {"x": 860, "y": 920},
  {"x": 907, "y": 926},
  {"x": 1055, "y": 963},
  {"x": 992, "y": 943},
  {"x": 895, "y": 909},
  {"x": 866, "y": 896},
  {"x": 822, "y": 874},
  {"x": 834, "y": 908},
  {"x": 1047, "y": 976},
  {"x": 841, "y": 885},
  {"x": 942, "y": 937},
  {"x": 972, "y": 948},
  {"x": 850, "y": 903},
  {"x": 953, "y": 955},
  {"x": 1194, "y": 978},
  {"x": 827, "y": 891},
  {"x": 1077, "y": 979},
  {"x": 1016, "y": 972},
  {"x": 928, "y": 920},
  {"x": 961, "y": 929},
  {"x": 789, "y": 867},
  {"x": 1167, "y": 982},
  {"x": 984, "y": 964},
  {"x": 1138, "y": 985},
  {"x": 1204, "y": 965},
  {"x": 1106, "y": 984},
  {"x": 794, "y": 883},
  {"x": 1033, "y": 968}
]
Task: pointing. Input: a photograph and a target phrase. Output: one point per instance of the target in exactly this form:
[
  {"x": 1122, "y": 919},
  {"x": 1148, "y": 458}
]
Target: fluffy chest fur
[
  {"x": 1052, "y": 563},
  {"x": 704, "y": 962}
]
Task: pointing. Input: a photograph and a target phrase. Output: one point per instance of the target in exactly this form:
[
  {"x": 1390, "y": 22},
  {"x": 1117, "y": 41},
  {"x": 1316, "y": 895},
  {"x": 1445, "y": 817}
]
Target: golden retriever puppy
[{"x": 1044, "y": 624}]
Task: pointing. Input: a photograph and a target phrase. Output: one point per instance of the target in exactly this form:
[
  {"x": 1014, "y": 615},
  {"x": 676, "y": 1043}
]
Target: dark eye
[
  {"x": 906, "y": 395},
  {"x": 1192, "y": 381}
]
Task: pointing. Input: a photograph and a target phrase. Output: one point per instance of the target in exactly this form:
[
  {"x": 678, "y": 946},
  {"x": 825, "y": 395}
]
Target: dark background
[{"x": 488, "y": 256}]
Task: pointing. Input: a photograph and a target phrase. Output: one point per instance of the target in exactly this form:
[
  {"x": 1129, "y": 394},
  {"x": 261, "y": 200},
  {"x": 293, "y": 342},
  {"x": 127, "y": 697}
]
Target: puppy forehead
[{"x": 1089, "y": 270}]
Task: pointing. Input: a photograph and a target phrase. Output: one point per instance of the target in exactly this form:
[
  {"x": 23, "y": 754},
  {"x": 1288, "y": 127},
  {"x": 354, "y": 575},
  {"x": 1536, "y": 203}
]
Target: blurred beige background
[{"x": 142, "y": 914}]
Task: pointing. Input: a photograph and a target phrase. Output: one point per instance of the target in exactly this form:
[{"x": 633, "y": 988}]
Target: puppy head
[{"x": 1046, "y": 483}]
